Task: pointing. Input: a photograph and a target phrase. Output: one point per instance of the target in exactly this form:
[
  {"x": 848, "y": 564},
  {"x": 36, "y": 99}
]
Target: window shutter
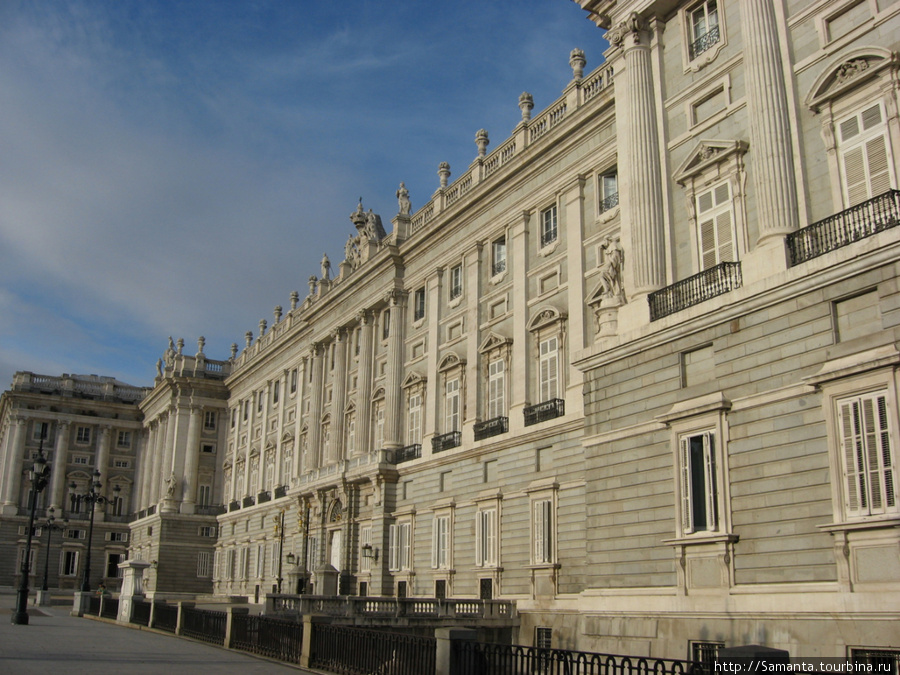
[
  {"x": 405, "y": 560},
  {"x": 687, "y": 515},
  {"x": 709, "y": 457},
  {"x": 393, "y": 547},
  {"x": 479, "y": 535},
  {"x": 878, "y": 166},
  {"x": 890, "y": 497},
  {"x": 853, "y": 458},
  {"x": 435, "y": 542},
  {"x": 538, "y": 532}
]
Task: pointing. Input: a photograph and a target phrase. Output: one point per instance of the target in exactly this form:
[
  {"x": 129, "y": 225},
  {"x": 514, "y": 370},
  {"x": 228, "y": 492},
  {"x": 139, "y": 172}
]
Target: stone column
[
  {"x": 146, "y": 465},
  {"x": 521, "y": 367},
  {"x": 473, "y": 269},
  {"x": 770, "y": 130},
  {"x": 393, "y": 394},
  {"x": 13, "y": 468},
  {"x": 433, "y": 394},
  {"x": 364, "y": 385},
  {"x": 338, "y": 396},
  {"x": 169, "y": 449},
  {"x": 102, "y": 464},
  {"x": 161, "y": 435},
  {"x": 315, "y": 409},
  {"x": 58, "y": 469},
  {"x": 192, "y": 460},
  {"x": 639, "y": 157}
]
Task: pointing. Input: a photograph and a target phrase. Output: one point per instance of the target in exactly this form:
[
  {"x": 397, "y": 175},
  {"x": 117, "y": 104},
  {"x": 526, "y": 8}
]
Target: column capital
[{"x": 630, "y": 33}]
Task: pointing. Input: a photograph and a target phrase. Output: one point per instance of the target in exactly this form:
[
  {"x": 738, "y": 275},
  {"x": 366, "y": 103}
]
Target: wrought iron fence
[
  {"x": 203, "y": 624},
  {"x": 846, "y": 227},
  {"x": 93, "y": 607},
  {"x": 109, "y": 609},
  {"x": 446, "y": 441},
  {"x": 710, "y": 283},
  {"x": 165, "y": 617},
  {"x": 475, "y": 658},
  {"x": 275, "y": 638},
  {"x": 355, "y": 651},
  {"x": 547, "y": 410},
  {"x": 140, "y": 612},
  {"x": 491, "y": 427}
]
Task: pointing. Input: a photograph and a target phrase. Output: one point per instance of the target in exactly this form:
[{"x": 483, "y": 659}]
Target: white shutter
[
  {"x": 549, "y": 367},
  {"x": 479, "y": 535},
  {"x": 435, "y": 542},
  {"x": 715, "y": 226},
  {"x": 712, "y": 504},
  {"x": 854, "y": 459},
  {"x": 393, "y": 547},
  {"x": 405, "y": 546},
  {"x": 865, "y": 155},
  {"x": 687, "y": 515}
]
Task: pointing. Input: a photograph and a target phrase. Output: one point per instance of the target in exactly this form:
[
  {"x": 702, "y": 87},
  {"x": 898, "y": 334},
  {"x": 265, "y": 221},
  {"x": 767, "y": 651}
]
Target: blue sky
[{"x": 178, "y": 168}]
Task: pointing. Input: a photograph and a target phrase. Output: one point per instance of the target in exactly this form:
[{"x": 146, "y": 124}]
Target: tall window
[
  {"x": 414, "y": 428},
  {"x": 419, "y": 304},
  {"x": 399, "y": 546},
  {"x": 440, "y": 542},
  {"x": 69, "y": 564},
  {"x": 549, "y": 230},
  {"x": 498, "y": 256},
  {"x": 452, "y": 406},
  {"x": 276, "y": 391},
  {"x": 351, "y": 434},
  {"x": 715, "y": 222},
  {"x": 486, "y": 537},
  {"x": 704, "y": 27},
  {"x": 456, "y": 281},
  {"x": 365, "y": 542},
  {"x": 123, "y": 439},
  {"x": 385, "y": 324},
  {"x": 294, "y": 380},
  {"x": 549, "y": 368},
  {"x": 260, "y": 400},
  {"x": 699, "y": 490},
  {"x": 209, "y": 420},
  {"x": 870, "y": 473},
  {"x": 542, "y": 531},
  {"x": 204, "y": 495},
  {"x": 83, "y": 435},
  {"x": 609, "y": 191},
  {"x": 379, "y": 426},
  {"x": 204, "y": 564},
  {"x": 496, "y": 388},
  {"x": 864, "y": 154}
]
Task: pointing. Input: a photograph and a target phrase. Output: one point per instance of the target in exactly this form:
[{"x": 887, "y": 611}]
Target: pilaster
[
  {"x": 192, "y": 460},
  {"x": 393, "y": 392},
  {"x": 13, "y": 468},
  {"x": 338, "y": 396},
  {"x": 315, "y": 409},
  {"x": 58, "y": 479},
  {"x": 364, "y": 384}
]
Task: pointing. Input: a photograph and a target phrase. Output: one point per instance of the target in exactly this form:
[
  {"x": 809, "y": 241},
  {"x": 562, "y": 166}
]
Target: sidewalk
[{"x": 56, "y": 642}]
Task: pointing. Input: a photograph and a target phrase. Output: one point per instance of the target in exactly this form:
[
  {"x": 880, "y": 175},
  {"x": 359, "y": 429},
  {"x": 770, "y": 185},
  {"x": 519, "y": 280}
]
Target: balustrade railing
[
  {"x": 609, "y": 202},
  {"x": 203, "y": 624},
  {"x": 704, "y": 42},
  {"x": 709, "y": 283},
  {"x": 547, "y": 410},
  {"x": 408, "y": 453},
  {"x": 348, "y": 651},
  {"x": 375, "y": 607},
  {"x": 446, "y": 441},
  {"x": 491, "y": 427},
  {"x": 858, "y": 222},
  {"x": 280, "y": 639}
]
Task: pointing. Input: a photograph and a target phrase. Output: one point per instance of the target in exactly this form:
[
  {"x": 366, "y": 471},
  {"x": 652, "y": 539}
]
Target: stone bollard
[{"x": 229, "y": 623}]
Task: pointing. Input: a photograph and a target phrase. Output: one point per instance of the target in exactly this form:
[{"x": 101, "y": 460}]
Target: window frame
[
  {"x": 83, "y": 435},
  {"x": 549, "y": 226},
  {"x": 400, "y": 548},
  {"x": 695, "y": 60},
  {"x": 487, "y": 535},
  {"x": 499, "y": 259},
  {"x": 419, "y": 304},
  {"x": 456, "y": 282},
  {"x": 442, "y": 540}
]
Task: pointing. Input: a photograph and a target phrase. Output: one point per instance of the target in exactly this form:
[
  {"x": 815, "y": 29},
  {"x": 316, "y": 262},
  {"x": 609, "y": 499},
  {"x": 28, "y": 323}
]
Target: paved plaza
[{"x": 56, "y": 642}]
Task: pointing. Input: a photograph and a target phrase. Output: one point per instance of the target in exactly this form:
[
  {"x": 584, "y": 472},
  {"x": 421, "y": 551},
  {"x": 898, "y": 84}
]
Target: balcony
[
  {"x": 248, "y": 501},
  {"x": 280, "y": 491},
  {"x": 846, "y": 227},
  {"x": 234, "y": 505},
  {"x": 609, "y": 202},
  {"x": 408, "y": 453},
  {"x": 263, "y": 497},
  {"x": 446, "y": 441},
  {"x": 704, "y": 42},
  {"x": 491, "y": 427},
  {"x": 710, "y": 283},
  {"x": 548, "y": 410}
]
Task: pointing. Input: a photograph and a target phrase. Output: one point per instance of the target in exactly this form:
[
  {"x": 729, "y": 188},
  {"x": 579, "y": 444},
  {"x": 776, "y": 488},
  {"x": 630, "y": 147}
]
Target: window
[
  {"x": 609, "y": 190},
  {"x": 80, "y": 459},
  {"x": 489, "y": 471},
  {"x": 294, "y": 381},
  {"x": 204, "y": 564},
  {"x": 419, "y": 304},
  {"x": 549, "y": 230},
  {"x": 124, "y": 439},
  {"x": 385, "y": 324},
  {"x": 868, "y": 458},
  {"x": 714, "y": 222},
  {"x": 549, "y": 369},
  {"x": 456, "y": 281},
  {"x": 498, "y": 256},
  {"x": 543, "y": 637},
  {"x": 208, "y": 448},
  {"x": 440, "y": 542},
  {"x": 542, "y": 531},
  {"x": 399, "y": 546},
  {"x": 83, "y": 435},
  {"x": 260, "y": 400},
  {"x": 703, "y": 27},
  {"x": 40, "y": 430},
  {"x": 699, "y": 490},
  {"x": 379, "y": 426},
  {"x": 312, "y": 552},
  {"x": 276, "y": 391},
  {"x": 496, "y": 388},
  {"x": 486, "y": 537},
  {"x": 351, "y": 434},
  {"x": 21, "y": 558},
  {"x": 72, "y": 533},
  {"x": 365, "y": 543},
  {"x": 864, "y": 152},
  {"x": 705, "y": 652},
  {"x": 246, "y": 410},
  {"x": 209, "y": 420},
  {"x": 112, "y": 565},
  {"x": 69, "y": 564},
  {"x": 451, "y": 406},
  {"x": 414, "y": 427}
]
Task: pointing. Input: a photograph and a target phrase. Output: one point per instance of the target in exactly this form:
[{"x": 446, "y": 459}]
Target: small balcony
[
  {"x": 446, "y": 441},
  {"x": 263, "y": 497},
  {"x": 704, "y": 42},
  {"x": 491, "y": 427},
  {"x": 846, "y": 227},
  {"x": 234, "y": 505},
  {"x": 547, "y": 410},
  {"x": 609, "y": 202},
  {"x": 408, "y": 453},
  {"x": 248, "y": 501},
  {"x": 710, "y": 283},
  {"x": 280, "y": 491}
]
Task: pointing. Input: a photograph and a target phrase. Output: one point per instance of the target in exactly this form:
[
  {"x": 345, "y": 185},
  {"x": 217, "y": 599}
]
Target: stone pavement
[{"x": 56, "y": 642}]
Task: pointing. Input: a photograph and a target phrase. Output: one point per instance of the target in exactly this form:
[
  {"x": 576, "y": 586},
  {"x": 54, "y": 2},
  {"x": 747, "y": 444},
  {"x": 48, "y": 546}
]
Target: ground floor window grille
[
  {"x": 705, "y": 653},
  {"x": 883, "y": 661}
]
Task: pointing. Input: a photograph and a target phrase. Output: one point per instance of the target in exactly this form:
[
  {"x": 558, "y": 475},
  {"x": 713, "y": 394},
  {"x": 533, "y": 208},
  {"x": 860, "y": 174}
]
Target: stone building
[{"x": 84, "y": 423}]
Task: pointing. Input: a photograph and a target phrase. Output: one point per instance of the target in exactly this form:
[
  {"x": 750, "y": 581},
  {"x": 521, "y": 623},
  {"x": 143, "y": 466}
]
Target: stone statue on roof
[
  {"x": 403, "y": 200},
  {"x": 326, "y": 267}
]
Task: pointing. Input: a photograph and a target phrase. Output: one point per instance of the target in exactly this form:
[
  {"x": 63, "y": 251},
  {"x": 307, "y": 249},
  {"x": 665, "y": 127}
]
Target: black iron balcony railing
[
  {"x": 704, "y": 42},
  {"x": 498, "y": 267},
  {"x": 234, "y": 505},
  {"x": 446, "y": 441},
  {"x": 547, "y": 410},
  {"x": 248, "y": 501},
  {"x": 548, "y": 236},
  {"x": 857, "y": 222},
  {"x": 263, "y": 497},
  {"x": 491, "y": 427},
  {"x": 408, "y": 453},
  {"x": 280, "y": 491},
  {"x": 609, "y": 202},
  {"x": 710, "y": 283}
]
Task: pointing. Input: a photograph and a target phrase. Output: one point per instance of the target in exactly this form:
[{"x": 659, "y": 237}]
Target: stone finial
[
  {"x": 277, "y": 313},
  {"x": 295, "y": 298},
  {"x": 444, "y": 173},
  {"x": 180, "y": 345},
  {"x": 248, "y": 337},
  {"x": 262, "y": 327},
  {"x": 313, "y": 280},
  {"x": 234, "y": 350},
  {"x": 358, "y": 217},
  {"x": 482, "y": 140},
  {"x": 577, "y": 63},
  {"x": 526, "y": 105},
  {"x": 201, "y": 341}
]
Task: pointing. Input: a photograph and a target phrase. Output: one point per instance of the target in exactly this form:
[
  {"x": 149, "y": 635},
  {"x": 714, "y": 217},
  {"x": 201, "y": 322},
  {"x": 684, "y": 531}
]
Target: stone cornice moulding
[{"x": 855, "y": 364}]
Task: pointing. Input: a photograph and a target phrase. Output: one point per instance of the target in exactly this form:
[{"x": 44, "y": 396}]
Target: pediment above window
[
  {"x": 450, "y": 361},
  {"x": 848, "y": 72},
  {"x": 494, "y": 341},
  {"x": 413, "y": 380},
  {"x": 706, "y": 154},
  {"x": 546, "y": 316},
  {"x": 378, "y": 395},
  {"x": 350, "y": 409},
  {"x": 287, "y": 437}
]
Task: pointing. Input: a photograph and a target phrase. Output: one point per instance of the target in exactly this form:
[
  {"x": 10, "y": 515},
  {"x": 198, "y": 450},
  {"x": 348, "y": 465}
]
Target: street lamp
[
  {"x": 51, "y": 527},
  {"x": 91, "y": 497},
  {"x": 39, "y": 474}
]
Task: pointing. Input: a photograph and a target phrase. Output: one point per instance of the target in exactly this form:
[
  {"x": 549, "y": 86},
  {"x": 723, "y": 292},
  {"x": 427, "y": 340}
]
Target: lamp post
[
  {"x": 51, "y": 527},
  {"x": 91, "y": 497},
  {"x": 39, "y": 473}
]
